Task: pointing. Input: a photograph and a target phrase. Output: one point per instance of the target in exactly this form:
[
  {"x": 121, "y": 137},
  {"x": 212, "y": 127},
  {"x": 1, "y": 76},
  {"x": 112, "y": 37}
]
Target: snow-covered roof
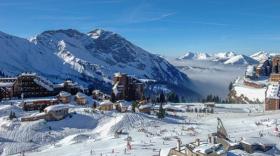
[
  {"x": 172, "y": 107},
  {"x": 145, "y": 106},
  {"x": 63, "y": 93},
  {"x": 118, "y": 74},
  {"x": 40, "y": 99},
  {"x": 273, "y": 91},
  {"x": 28, "y": 74},
  {"x": 6, "y": 84},
  {"x": 124, "y": 103},
  {"x": 80, "y": 95},
  {"x": 207, "y": 148},
  {"x": 106, "y": 102},
  {"x": 57, "y": 107},
  {"x": 44, "y": 84}
]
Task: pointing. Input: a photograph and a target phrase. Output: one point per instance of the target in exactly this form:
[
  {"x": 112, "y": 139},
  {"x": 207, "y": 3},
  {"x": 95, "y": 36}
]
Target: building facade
[
  {"x": 272, "y": 96},
  {"x": 275, "y": 76},
  {"x": 32, "y": 85},
  {"x": 127, "y": 87}
]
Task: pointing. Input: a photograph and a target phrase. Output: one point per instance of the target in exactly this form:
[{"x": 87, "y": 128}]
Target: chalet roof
[
  {"x": 118, "y": 74},
  {"x": 44, "y": 83},
  {"x": 172, "y": 107},
  {"x": 145, "y": 106},
  {"x": 28, "y": 74},
  {"x": 6, "y": 84},
  {"x": 124, "y": 103},
  {"x": 273, "y": 91},
  {"x": 106, "y": 102},
  {"x": 64, "y": 94},
  {"x": 206, "y": 148},
  {"x": 40, "y": 99},
  {"x": 96, "y": 91},
  {"x": 80, "y": 95},
  {"x": 57, "y": 107}
]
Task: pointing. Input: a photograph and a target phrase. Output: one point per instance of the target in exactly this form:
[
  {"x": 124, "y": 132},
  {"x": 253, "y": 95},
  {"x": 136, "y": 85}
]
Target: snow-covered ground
[
  {"x": 253, "y": 94},
  {"x": 93, "y": 133}
]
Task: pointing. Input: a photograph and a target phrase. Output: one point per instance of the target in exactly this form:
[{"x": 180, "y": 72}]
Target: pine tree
[
  {"x": 230, "y": 86},
  {"x": 12, "y": 115},
  {"x": 113, "y": 98},
  {"x": 134, "y": 105},
  {"x": 161, "y": 113}
]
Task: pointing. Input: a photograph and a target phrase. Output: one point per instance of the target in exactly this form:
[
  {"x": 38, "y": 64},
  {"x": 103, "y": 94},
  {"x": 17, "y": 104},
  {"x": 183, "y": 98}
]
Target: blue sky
[{"x": 167, "y": 27}]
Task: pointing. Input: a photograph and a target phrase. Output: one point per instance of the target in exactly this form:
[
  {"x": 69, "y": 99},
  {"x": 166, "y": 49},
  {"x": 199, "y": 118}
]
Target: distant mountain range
[
  {"x": 227, "y": 57},
  {"x": 88, "y": 58}
]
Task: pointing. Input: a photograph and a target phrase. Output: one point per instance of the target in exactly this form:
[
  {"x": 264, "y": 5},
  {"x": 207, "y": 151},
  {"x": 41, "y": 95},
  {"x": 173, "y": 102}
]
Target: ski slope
[{"x": 94, "y": 133}]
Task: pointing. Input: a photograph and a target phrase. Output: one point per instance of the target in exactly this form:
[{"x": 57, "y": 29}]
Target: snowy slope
[
  {"x": 260, "y": 56},
  {"x": 150, "y": 136},
  {"x": 241, "y": 59},
  {"x": 88, "y": 58}
]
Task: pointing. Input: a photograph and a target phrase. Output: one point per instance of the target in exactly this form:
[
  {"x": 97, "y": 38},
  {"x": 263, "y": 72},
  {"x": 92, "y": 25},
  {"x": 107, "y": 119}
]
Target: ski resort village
[
  {"x": 139, "y": 78},
  {"x": 41, "y": 117}
]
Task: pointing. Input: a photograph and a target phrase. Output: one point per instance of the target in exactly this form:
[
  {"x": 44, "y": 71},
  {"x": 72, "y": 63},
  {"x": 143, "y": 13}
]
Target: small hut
[
  {"x": 56, "y": 112},
  {"x": 145, "y": 108},
  {"x": 81, "y": 98},
  {"x": 106, "y": 105},
  {"x": 64, "y": 97},
  {"x": 51, "y": 113},
  {"x": 123, "y": 106}
]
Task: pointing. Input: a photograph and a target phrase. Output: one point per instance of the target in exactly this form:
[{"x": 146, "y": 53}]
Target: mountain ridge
[
  {"x": 86, "y": 57},
  {"x": 229, "y": 57}
]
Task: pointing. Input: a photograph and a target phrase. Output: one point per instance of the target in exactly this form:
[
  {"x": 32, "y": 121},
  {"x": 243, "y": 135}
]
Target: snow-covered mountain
[
  {"x": 188, "y": 55},
  {"x": 241, "y": 60},
  {"x": 223, "y": 56},
  {"x": 194, "y": 56},
  {"x": 91, "y": 58},
  {"x": 202, "y": 56},
  {"x": 260, "y": 56}
]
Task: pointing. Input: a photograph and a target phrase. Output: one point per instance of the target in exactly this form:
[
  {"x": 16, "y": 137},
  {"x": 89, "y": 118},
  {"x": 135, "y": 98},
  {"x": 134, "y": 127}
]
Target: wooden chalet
[{"x": 80, "y": 98}]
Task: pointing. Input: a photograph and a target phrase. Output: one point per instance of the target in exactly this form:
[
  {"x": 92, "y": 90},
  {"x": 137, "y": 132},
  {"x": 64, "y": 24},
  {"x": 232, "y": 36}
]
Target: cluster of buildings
[
  {"x": 266, "y": 74},
  {"x": 28, "y": 85},
  {"x": 256, "y": 75},
  {"x": 272, "y": 94},
  {"x": 218, "y": 144},
  {"x": 53, "y": 100}
]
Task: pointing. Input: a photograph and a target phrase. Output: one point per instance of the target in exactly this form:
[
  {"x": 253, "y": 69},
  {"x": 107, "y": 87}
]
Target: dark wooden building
[
  {"x": 32, "y": 85},
  {"x": 127, "y": 87}
]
